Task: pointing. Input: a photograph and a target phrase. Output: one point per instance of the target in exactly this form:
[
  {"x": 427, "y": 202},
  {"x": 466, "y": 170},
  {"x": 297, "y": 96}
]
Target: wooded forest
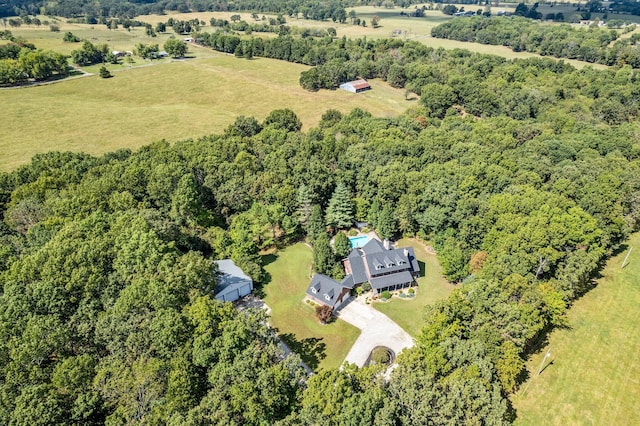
[
  {"x": 526, "y": 174},
  {"x": 92, "y": 10},
  {"x": 592, "y": 44}
]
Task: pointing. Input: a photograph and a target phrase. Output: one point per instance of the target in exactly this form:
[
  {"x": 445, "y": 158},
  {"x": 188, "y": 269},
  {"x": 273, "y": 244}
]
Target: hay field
[{"x": 174, "y": 100}]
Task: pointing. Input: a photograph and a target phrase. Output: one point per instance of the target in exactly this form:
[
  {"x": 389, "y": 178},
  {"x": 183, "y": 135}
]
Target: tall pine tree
[
  {"x": 323, "y": 258},
  {"x": 304, "y": 200},
  {"x": 340, "y": 209},
  {"x": 316, "y": 225}
]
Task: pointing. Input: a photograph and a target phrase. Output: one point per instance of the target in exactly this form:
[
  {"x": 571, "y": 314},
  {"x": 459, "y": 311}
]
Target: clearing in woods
[{"x": 319, "y": 346}]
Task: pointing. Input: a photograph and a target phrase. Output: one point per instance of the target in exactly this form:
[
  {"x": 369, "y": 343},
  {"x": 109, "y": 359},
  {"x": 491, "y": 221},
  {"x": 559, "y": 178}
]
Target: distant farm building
[
  {"x": 231, "y": 282},
  {"x": 356, "y": 86}
]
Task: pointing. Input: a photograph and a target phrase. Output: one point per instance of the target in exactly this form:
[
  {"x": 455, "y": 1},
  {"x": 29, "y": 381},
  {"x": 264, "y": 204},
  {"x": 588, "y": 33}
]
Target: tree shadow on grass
[
  {"x": 312, "y": 350},
  {"x": 258, "y": 288},
  {"x": 423, "y": 268},
  {"x": 268, "y": 259}
]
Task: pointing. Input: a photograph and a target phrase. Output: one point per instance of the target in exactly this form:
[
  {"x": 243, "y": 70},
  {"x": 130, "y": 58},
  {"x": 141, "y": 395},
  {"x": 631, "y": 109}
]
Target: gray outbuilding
[{"x": 231, "y": 282}]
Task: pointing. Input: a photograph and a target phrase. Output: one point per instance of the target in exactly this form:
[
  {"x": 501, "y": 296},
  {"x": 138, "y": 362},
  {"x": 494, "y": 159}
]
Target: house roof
[
  {"x": 229, "y": 276},
  {"x": 348, "y": 282},
  {"x": 325, "y": 289},
  {"x": 392, "y": 279},
  {"x": 390, "y": 261},
  {"x": 373, "y": 246},
  {"x": 358, "y": 270}
]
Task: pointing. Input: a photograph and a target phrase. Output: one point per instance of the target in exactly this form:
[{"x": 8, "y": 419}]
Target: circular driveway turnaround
[{"x": 377, "y": 330}]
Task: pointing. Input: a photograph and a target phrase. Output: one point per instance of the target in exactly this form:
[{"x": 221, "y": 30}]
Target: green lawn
[
  {"x": 432, "y": 286},
  {"x": 594, "y": 378},
  {"x": 320, "y": 346}
]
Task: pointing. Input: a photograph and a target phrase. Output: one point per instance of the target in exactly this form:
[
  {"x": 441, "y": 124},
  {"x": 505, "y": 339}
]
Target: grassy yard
[
  {"x": 172, "y": 100},
  {"x": 594, "y": 377},
  {"x": 320, "y": 346},
  {"x": 432, "y": 286}
]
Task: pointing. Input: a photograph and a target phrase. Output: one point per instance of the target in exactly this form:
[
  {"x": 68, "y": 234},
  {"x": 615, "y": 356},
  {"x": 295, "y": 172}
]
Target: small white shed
[{"x": 231, "y": 282}]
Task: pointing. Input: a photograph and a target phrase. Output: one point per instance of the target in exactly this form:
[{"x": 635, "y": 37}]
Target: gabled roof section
[
  {"x": 325, "y": 288},
  {"x": 373, "y": 246},
  {"x": 348, "y": 282},
  {"x": 358, "y": 270},
  {"x": 391, "y": 261}
]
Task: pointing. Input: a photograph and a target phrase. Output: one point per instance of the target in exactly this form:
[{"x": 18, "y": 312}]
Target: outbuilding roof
[{"x": 229, "y": 276}]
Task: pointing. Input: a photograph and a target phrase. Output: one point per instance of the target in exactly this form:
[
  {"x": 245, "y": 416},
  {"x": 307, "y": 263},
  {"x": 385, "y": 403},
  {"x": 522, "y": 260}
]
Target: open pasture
[
  {"x": 175, "y": 100},
  {"x": 594, "y": 371},
  {"x": 392, "y": 24}
]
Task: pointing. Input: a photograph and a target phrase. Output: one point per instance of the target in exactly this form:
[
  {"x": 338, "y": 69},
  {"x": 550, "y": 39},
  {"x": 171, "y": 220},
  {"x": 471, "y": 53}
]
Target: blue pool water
[{"x": 359, "y": 241}]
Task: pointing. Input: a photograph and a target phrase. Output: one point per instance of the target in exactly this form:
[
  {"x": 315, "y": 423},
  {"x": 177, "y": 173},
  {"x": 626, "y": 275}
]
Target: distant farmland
[{"x": 172, "y": 101}]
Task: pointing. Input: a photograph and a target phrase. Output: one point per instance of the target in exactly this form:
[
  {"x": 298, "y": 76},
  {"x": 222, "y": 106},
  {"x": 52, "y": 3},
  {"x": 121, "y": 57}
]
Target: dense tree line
[
  {"x": 563, "y": 41},
  {"x": 21, "y": 61},
  {"x": 92, "y": 10},
  {"x": 106, "y": 312}
]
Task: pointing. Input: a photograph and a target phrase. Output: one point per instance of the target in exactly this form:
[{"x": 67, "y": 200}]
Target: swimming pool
[{"x": 359, "y": 241}]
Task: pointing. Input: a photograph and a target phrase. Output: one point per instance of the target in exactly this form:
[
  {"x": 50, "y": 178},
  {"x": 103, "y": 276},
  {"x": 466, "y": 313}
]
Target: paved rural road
[{"x": 377, "y": 330}]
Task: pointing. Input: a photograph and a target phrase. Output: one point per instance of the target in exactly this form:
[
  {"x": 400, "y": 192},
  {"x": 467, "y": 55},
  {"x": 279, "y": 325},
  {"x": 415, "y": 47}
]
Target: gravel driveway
[{"x": 377, "y": 330}]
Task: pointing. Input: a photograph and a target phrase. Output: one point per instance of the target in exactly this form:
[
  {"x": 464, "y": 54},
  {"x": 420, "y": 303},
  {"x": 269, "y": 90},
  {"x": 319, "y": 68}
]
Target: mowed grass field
[
  {"x": 594, "y": 377},
  {"x": 173, "y": 100},
  {"x": 320, "y": 346},
  {"x": 432, "y": 286}
]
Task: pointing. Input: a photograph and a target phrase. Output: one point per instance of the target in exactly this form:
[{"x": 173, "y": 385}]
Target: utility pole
[
  {"x": 626, "y": 258},
  {"x": 547, "y": 355}
]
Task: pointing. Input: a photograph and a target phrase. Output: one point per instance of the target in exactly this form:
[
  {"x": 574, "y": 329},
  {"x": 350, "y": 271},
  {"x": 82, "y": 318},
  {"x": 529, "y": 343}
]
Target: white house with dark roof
[
  {"x": 231, "y": 282},
  {"x": 382, "y": 267}
]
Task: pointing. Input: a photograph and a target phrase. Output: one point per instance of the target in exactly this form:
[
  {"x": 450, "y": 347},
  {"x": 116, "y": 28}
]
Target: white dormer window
[
  {"x": 326, "y": 296},
  {"x": 313, "y": 290},
  {"x": 378, "y": 267},
  {"x": 390, "y": 265}
]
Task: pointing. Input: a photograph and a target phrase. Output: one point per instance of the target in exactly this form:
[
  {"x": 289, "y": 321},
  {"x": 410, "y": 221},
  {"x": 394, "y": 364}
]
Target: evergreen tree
[
  {"x": 374, "y": 212},
  {"x": 316, "y": 225},
  {"x": 322, "y": 254},
  {"x": 304, "y": 200},
  {"x": 387, "y": 223},
  {"x": 340, "y": 209}
]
